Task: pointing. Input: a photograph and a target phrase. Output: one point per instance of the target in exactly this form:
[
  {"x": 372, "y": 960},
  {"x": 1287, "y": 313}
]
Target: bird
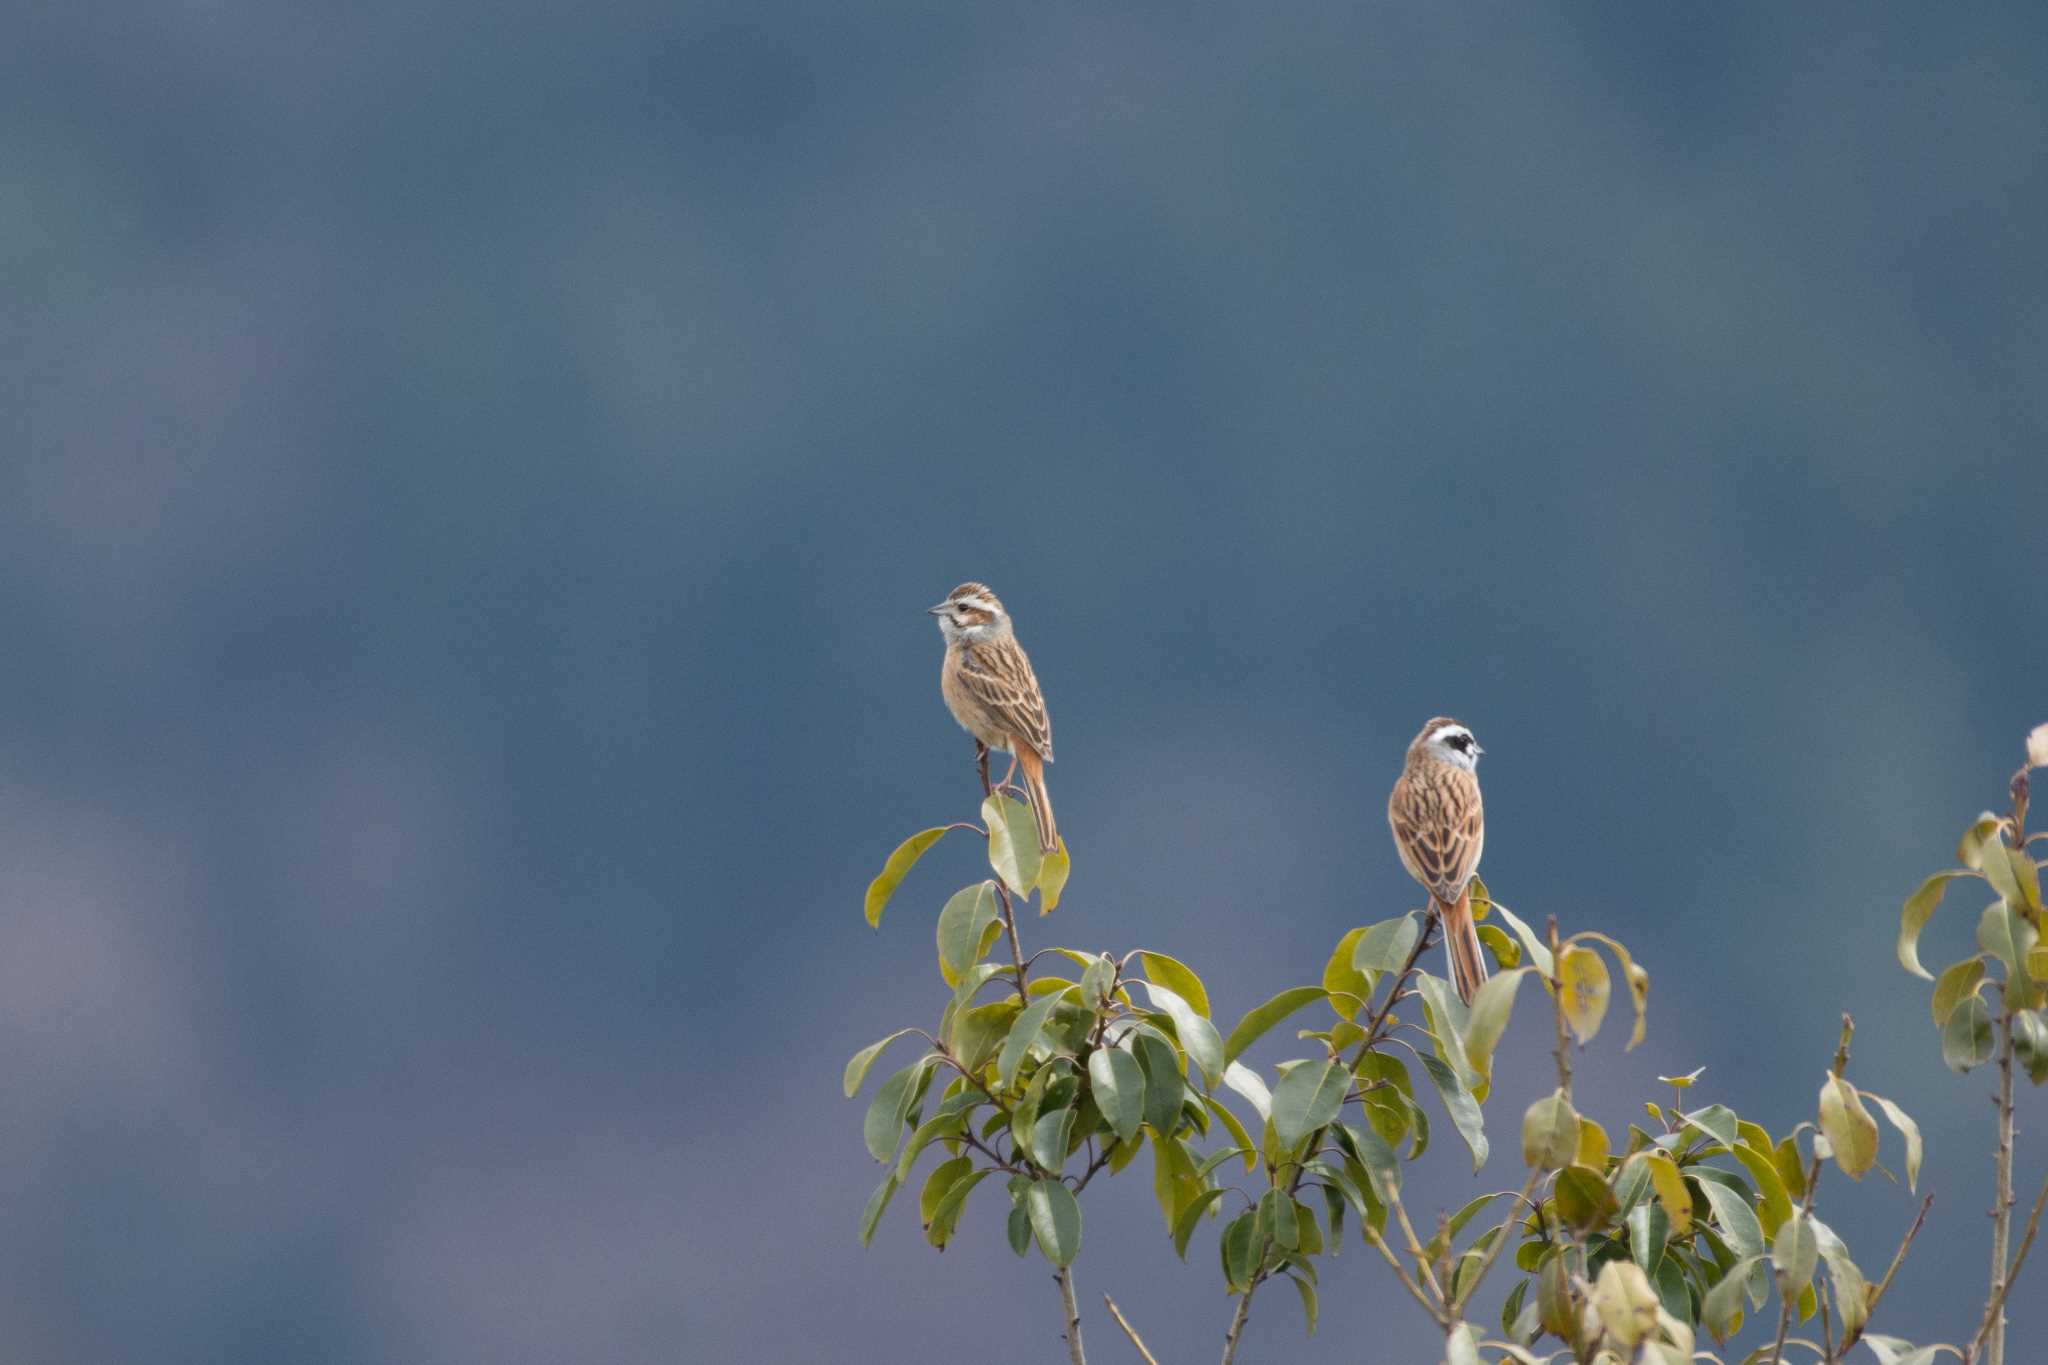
[
  {"x": 989, "y": 687},
  {"x": 1439, "y": 829}
]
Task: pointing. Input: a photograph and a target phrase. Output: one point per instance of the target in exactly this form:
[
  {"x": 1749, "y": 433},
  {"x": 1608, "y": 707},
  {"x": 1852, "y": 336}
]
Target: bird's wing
[
  {"x": 1001, "y": 679},
  {"x": 1440, "y": 828}
]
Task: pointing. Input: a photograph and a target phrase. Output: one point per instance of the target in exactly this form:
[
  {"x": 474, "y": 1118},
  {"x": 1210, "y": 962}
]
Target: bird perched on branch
[
  {"x": 990, "y": 689},
  {"x": 1439, "y": 830}
]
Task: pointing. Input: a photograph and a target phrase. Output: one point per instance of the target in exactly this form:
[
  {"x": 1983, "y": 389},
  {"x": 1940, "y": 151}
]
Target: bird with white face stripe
[
  {"x": 989, "y": 687},
  {"x": 1439, "y": 830}
]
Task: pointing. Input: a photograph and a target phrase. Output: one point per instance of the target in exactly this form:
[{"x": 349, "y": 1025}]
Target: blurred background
[{"x": 472, "y": 482}]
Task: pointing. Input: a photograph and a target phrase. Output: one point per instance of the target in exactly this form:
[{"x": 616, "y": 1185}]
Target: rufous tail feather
[
  {"x": 1041, "y": 801},
  {"x": 1461, "y": 938}
]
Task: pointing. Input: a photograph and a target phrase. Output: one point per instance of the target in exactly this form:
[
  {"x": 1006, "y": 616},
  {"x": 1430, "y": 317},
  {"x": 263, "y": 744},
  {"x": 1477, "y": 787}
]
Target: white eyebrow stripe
[
  {"x": 978, "y": 603},
  {"x": 1444, "y": 732}
]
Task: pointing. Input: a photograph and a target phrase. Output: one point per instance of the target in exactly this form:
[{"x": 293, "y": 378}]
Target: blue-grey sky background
[{"x": 473, "y": 478}]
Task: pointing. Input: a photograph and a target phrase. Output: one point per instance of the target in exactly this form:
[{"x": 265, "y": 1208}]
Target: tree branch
[
  {"x": 1129, "y": 1330},
  {"x": 1996, "y": 1306},
  {"x": 1237, "y": 1321},
  {"x": 1065, "y": 1280},
  {"x": 1852, "y": 1335}
]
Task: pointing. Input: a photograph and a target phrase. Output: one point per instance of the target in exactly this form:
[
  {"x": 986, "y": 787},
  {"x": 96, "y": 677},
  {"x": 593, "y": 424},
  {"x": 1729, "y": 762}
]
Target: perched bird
[
  {"x": 1439, "y": 830},
  {"x": 990, "y": 689}
]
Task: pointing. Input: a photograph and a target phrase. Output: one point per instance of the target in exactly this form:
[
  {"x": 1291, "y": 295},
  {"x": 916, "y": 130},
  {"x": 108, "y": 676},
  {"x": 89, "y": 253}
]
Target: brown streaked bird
[
  {"x": 990, "y": 689},
  {"x": 1439, "y": 830}
]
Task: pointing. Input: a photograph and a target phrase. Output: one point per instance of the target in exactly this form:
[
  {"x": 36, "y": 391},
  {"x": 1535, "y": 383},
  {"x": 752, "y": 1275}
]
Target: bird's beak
[
  {"x": 939, "y": 610},
  {"x": 1476, "y": 750}
]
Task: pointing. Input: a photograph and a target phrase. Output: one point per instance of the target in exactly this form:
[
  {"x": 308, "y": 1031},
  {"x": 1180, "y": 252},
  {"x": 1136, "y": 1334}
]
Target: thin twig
[
  {"x": 1129, "y": 1330},
  {"x": 1435, "y": 1312},
  {"x": 1852, "y": 1335},
  {"x": 1997, "y": 1304},
  {"x": 1065, "y": 1280},
  {"x": 1465, "y": 1291},
  {"x": 1237, "y": 1321},
  {"x": 1992, "y": 1331},
  {"x": 1561, "y": 1049}
]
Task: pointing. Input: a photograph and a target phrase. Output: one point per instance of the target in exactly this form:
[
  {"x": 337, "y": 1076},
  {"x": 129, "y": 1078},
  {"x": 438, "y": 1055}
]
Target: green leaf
[
  {"x": 1506, "y": 953},
  {"x": 1164, "y": 1086},
  {"x": 1538, "y": 951},
  {"x": 1795, "y": 1252},
  {"x": 1638, "y": 983},
  {"x": 1774, "y": 1205},
  {"x": 1593, "y": 1146},
  {"x": 2028, "y": 878},
  {"x": 1051, "y": 1136},
  {"x": 1554, "y": 1307},
  {"x": 1997, "y": 869},
  {"x": 2030, "y": 1044},
  {"x": 1023, "y": 1034},
  {"x": 1626, "y": 1303},
  {"x": 1671, "y": 1191},
  {"x": 1052, "y": 878},
  {"x": 945, "y": 1125},
  {"x": 1955, "y": 982},
  {"x": 942, "y": 1178},
  {"x": 879, "y": 1200},
  {"x": 1908, "y": 1130},
  {"x": 1721, "y": 1312},
  {"x": 857, "y": 1067},
  {"x": 1348, "y": 987},
  {"x": 895, "y": 870},
  {"x": 967, "y": 926},
  {"x": 1262, "y": 1018},
  {"x": 1649, "y": 1228},
  {"x": 1739, "y": 1227},
  {"x": 1386, "y": 946},
  {"x": 1718, "y": 1122},
  {"x": 1382, "y": 1167},
  {"x": 1197, "y": 1035},
  {"x": 883, "y": 1127},
  {"x": 977, "y": 1033},
  {"x": 1247, "y": 1083},
  {"x": 1055, "y": 1220},
  {"x": 1966, "y": 1038},
  {"x": 1118, "y": 1084},
  {"x": 1308, "y": 1098},
  {"x": 1246, "y": 1146},
  {"x": 1176, "y": 977},
  {"x": 1584, "y": 978},
  {"x": 2006, "y": 935},
  {"x": 1446, "y": 1021},
  {"x": 1184, "y": 1225},
  {"x": 1020, "y": 1230},
  {"x": 1241, "y": 1251},
  {"x": 1097, "y": 980},
  {"x": 1277, "y": 1221},
  {"x": 1913, "y": 917},
  {"x": 1460, "y": 1105},
  {"x": 1850, "y": 1130},
  {"x": 1308, "y": 1301},
  {"x": 974, "y": 978},
  {"x": 1970, "y": 848},
  {"x": 1491, "y": 1006},
  {"x": 1012, "y": 842},
  {"x": 1550, "y": 1132},
  {"x": 1584, "y": 1200},
  {"x": 1852, "y": 1291}
]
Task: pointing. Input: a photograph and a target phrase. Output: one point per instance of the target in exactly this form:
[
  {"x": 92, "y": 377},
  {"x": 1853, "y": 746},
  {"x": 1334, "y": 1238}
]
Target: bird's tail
[
  {"x": 1041, "y": 801},
  {"x": 1461, "y": 938}
]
